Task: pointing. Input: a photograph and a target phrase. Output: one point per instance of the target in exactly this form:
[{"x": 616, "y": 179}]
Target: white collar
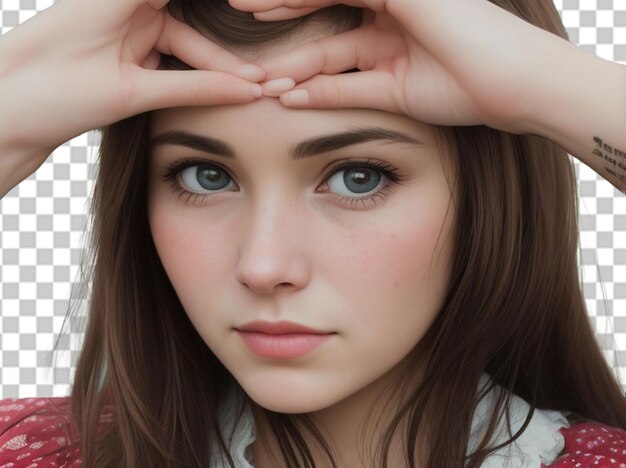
[{"x": 541, "y": 441}]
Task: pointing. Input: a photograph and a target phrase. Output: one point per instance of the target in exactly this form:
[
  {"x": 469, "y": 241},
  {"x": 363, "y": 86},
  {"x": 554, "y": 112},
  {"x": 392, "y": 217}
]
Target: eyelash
[{"x": 171, "y": 172}]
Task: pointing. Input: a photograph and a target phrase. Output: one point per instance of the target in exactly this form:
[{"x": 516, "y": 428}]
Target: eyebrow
[{"x": 305, "y": 149}]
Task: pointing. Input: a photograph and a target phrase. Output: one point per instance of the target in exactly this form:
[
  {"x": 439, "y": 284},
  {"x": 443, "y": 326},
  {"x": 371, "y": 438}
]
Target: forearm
[
  {"x": 17, "y": 165},
  {"x": 582, "y": 108},
  {"x": 18, "y": 159}
]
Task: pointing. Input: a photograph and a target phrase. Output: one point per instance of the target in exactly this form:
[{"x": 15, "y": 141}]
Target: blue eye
[
  {"x": 358, "y": 180},
  {"x": 204, "y": 177},
  {"x": 361, "y": 182}
]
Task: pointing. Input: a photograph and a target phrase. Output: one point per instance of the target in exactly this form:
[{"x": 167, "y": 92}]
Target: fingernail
[
  {"x": 297, "y": 97},
  {"x": 251, "y": 72},
  {"x": 257, "y": 91},
  {"x": 277, "y": 86}
]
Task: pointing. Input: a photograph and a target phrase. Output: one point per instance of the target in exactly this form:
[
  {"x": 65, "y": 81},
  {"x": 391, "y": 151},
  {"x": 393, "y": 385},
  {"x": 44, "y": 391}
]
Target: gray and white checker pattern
[{"x": 43, "y": 223}]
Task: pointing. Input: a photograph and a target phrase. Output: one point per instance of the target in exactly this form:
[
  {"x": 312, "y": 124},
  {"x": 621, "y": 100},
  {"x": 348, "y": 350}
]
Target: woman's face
[{"x": 266, "y": 236}]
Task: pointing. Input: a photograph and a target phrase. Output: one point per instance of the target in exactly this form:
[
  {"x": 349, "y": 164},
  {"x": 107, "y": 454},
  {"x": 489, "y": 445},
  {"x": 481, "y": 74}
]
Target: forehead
[{"x": 267, "y": 119}]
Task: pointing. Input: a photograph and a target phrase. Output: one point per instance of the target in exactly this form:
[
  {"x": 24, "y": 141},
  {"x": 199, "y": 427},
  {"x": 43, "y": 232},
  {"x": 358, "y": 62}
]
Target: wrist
[
  {"x": 573, "y": 86},
  {"x": 582, "y": 108},
  {"x": 19, "y": 158},
  {"x": 17, "y": 164}
]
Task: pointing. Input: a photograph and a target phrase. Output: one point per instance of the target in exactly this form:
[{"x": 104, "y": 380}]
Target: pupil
[
  {"x": 211, "y": 174},
  {"x": 361, "y": 180},
  {"x": 211, "y": 178},
  {"x": 360, "y": 177}
]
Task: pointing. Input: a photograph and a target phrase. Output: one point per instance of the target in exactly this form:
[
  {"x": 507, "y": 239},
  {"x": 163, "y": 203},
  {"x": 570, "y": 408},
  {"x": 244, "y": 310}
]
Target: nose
[{"x": 272, "y": 255}]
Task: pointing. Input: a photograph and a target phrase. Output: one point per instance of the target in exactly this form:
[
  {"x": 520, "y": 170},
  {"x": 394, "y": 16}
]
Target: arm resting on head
[{"x": 582, "y": 108}]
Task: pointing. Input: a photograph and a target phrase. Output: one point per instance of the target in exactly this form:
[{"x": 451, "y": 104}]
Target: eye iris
[
  {"x": 366, "y": 180},
  {"x": 211, "y": 178}
]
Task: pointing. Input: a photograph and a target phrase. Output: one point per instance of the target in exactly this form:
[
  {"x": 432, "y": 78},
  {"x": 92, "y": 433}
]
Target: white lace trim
[
  {"x": 541, "y": 441},
  {"x": 241, "y": 436}
]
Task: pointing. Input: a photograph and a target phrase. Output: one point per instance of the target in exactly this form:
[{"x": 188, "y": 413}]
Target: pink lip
[
  {"x": 285, "y": 346},
  {"x": 279, "y": 328},
  {"x": 281, "y": 340}
]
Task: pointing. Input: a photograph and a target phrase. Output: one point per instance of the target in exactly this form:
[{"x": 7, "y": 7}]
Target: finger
[
  {"x": 370, "y": 89},
  {"x": 157, "y": 4},
  {"x": 329, "y": 55},
  {"x": 275, "y": 88},
  {"x": 265, "y": 5},
  {"x": 119, "y": 10},
  {"x": 282, "y": 13},
  {"x": 156, "y": 89},
  {"x": 152, "y": 60},
  {"x": 190, "y": 46}
]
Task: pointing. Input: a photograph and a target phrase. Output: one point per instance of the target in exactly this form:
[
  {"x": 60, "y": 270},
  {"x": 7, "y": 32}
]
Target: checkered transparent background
[{"x": 43, "y": 223}]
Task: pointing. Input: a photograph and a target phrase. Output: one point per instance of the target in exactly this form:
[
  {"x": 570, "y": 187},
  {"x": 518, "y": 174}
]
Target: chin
[{"x": 300, "y": 404}]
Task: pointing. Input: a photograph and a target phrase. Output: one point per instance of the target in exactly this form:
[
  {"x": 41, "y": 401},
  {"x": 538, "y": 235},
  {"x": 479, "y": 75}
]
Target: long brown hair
[{"x": 514, "y": 308}]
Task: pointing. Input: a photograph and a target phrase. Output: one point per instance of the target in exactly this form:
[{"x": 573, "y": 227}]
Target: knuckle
[
  {"x": 125, "y": 100},
  {"x": 200, "y": 88},
  {"x": 333, "y": 91}
]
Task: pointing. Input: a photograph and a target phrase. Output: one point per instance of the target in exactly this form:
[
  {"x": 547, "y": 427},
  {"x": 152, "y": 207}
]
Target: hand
[
  {"x": 81, "y": 65},
  {"x": 444, "y": 62}
]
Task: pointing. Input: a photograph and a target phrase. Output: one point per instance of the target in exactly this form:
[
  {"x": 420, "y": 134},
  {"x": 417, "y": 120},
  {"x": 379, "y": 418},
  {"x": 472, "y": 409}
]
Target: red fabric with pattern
[
  {"x": 592, "y": 445},
  {"x": 33, "y": 435}
]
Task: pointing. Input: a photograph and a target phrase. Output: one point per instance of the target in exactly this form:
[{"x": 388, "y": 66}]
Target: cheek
[
  {"x": 398, "y": 262},
  {"x": 186, "y": 245},
  {"x": 381, "y": 272},
  {"x": 393, "y": 278}
]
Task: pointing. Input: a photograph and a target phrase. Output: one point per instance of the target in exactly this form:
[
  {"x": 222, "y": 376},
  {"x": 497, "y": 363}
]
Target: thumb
[
  {"x": 157, "y": 4},
  {"x": 362, "y": 89},
  {"x": 283, "y": 13}
]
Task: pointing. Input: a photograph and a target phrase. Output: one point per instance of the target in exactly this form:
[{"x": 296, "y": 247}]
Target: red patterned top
[
  {"x": 33, "y": 434},
  {"x": 592, "y": 445}
]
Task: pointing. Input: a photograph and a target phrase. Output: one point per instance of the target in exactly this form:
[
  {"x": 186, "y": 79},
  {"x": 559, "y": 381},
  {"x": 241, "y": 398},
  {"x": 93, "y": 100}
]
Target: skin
[
  {"x": 461, "y": 63},
  {"x": 99, "y": 59},
  {"x": 280, "y": 243}
]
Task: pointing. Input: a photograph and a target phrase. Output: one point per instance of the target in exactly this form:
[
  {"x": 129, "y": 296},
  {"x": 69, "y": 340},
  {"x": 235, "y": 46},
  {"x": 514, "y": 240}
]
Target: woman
[{"x": 418, "y": 212}]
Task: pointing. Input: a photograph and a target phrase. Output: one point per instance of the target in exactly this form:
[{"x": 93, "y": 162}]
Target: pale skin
[
  {"x": 440, "y": 63},
  {"x": 99, "y": 60},
  {"x": 278, "y": 243},
  {"x": 298, "y": 251}
]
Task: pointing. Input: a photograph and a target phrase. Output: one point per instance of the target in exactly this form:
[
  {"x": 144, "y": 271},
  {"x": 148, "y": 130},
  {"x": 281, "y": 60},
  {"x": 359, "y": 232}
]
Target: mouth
[
  {"x": 280, "y": 328},
  {"x": 281, "y": 340},
  {"x": 283, "y": 346}
]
